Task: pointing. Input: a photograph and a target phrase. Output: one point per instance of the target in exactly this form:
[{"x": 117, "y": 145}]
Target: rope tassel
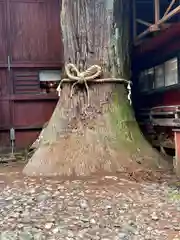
[
  {"x": 90, "y": 75},
  {"x": 129, "y": 92}
]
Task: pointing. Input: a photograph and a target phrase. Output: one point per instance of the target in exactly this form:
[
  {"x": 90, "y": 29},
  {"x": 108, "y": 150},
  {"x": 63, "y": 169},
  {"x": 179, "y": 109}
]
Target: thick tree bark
[{"x": 105, "y": 136}]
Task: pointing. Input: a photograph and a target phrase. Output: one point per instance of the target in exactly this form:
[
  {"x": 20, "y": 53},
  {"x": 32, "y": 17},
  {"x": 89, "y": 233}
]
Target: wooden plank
[
  {"x": 30, "y": 35},
  {"x": 30, "y": 113},
  {"x": 166, "y": 122},
  {"x": 3, "y": 34},
  {"x": 35, "y": 32},
  {"x": 4, "y": 89},
  {"x": 39, "y": 64}
]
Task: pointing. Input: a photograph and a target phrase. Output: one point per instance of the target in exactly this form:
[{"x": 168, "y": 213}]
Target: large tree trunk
[{"x": 103, "y": 137}]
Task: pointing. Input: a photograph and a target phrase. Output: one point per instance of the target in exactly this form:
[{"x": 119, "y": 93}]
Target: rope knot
[
  {"x": 89, "y": 75},
  {"x": 82, "y": 78},
  {"x": 74, "y": 75}
]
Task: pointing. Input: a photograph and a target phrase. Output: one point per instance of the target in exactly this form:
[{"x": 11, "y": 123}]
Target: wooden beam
[
  {"x": 156, "y": 11},
  {"x": 169, "y": 15},
  {"x": 134, "y": 20},
  {"x": 162, "y": 20},
  {"x": 169, "y": 7},
  {"x": 143, "y": 22}
]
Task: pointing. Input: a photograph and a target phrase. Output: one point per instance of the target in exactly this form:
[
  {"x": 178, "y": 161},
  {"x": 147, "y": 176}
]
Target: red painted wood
[
  {"x": 158, "y": 41},
  {"x": 4, "y": 91},
  {"x": 26, "y": 81},
  {"x": 39, "y": 64},
  {"x": 3, "y": 33},
  {"x": 26, "y": 114},
  {"x": 35, "y": 97},
  {"x": 4, "y": 114},
  {"x": 30, "y": 35},
  {"x": 172, "y": 97},
  {"x": 24, "y": 139},
  {"x": 4, "y": 140},
  {"x": 35, "y": 34},
  {"x": 27, "y": 137}
]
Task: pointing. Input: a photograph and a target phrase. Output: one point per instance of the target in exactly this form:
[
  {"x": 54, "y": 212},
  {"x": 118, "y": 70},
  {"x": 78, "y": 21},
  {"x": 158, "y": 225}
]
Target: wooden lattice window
[
  {"x": 171, "y": 72},
  {"x": 159, "y": 76}
]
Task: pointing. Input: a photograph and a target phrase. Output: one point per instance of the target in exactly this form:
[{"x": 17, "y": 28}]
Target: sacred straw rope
[{"x": 89, "y": 75}]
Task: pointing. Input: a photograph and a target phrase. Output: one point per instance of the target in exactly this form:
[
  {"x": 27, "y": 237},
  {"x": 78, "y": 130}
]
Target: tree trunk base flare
[
  {"x": 81, "y": 141},
  {"x": 104, "y": 136}
]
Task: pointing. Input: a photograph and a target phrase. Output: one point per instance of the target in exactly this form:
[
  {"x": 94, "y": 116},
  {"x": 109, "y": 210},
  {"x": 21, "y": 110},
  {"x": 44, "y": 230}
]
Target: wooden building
[
  {"x": 31, "y": 58},
  {"x": 156, "y": 73},
  {"x": 30, "y": 65}
]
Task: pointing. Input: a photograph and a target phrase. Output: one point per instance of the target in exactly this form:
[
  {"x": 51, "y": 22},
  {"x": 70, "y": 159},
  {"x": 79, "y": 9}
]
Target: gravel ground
[{"x": 106, "y": 208}]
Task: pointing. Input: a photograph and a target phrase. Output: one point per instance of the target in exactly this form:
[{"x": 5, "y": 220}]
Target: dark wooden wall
[
  {"x": 30, "y": 40},
  {"x": 150, "y": 53}
]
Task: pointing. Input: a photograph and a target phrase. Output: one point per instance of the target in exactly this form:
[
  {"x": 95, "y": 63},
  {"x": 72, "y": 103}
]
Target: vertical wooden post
[
  {"x": 134, "y": 20},
  {"x": 169, "y": 7},
  {"x": 156, "y": 11},
  {"x": 177, "y": 151}
]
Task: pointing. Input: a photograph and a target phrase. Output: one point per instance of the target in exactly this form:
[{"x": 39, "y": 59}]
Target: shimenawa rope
[{"x": 89, "y": 75}]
